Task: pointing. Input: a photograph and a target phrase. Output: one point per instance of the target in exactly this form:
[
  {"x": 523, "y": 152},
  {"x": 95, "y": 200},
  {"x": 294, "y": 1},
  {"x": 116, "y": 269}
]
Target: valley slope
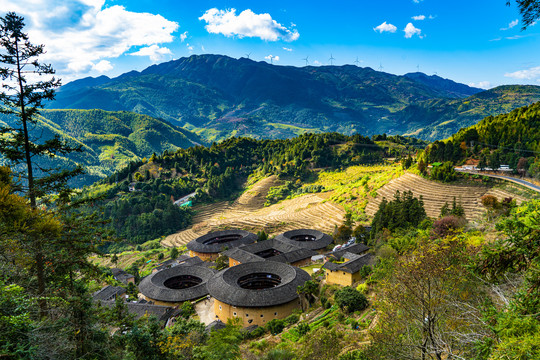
[{"x": 109, "y": 140}]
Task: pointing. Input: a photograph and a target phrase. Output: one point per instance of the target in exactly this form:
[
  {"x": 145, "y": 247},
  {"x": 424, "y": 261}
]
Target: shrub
[
  {"x": 187, "y": 309},
  {"x": 365, "y": 271},
  {"x": 350, "y": 300},
  {"x": 174, "y": 253},
  {"x": 303, "y": 328},
  {"x": 353, "y": 355},
  {"x": 291, "y": 319},
  {"x": 275, "y": 326},
  {"x": 362, "y": 288},
  {"x": 258, "y": 332},
  {"x": 446, "y": 226}
]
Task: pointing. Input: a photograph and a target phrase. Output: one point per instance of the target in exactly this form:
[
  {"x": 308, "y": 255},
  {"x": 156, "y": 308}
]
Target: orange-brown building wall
[
  {"x": 233, "y": 262},
  {"x": 204, "y": 256},
  {"x": 342, "y": 278},
  {"x": 258, "y": 316}
]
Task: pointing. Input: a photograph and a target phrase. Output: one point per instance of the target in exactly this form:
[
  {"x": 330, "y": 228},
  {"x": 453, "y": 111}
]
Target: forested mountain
[
  {"x": 440, "y": 118},
  {"x": 218, "y": 96},
  {"x": 110, "y": 140},
  {"x": 512, "y": 139}
]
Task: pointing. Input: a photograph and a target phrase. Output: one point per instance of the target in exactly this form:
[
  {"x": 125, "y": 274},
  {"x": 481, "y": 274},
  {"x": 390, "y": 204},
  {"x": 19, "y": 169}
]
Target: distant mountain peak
[{"x": 437, "y": 82}]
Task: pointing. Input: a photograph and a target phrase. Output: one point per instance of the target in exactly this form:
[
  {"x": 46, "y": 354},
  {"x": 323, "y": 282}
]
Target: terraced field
[
  {"x": 248, "y": 213},
  {"x": 436, "y": 194},
  {"x": 323, "y": 211}
]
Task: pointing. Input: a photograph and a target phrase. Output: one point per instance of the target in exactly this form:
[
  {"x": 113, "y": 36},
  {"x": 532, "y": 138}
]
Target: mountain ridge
[{"x": 217, "y": 97}]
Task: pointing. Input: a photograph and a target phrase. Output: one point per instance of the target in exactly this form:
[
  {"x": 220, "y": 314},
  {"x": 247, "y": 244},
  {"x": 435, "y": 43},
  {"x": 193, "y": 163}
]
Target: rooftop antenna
[
  {"x": 306, "y": 60},
  {"x": 331, "y": 59},
  {"x": 380, "y": 67},
  {"x": 247, "y": 55},
  {"x": 357, "y": 61}
]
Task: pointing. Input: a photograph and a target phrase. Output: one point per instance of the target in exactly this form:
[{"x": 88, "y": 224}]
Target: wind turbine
[
  {"x": 380, "y": 67},
  {"x": 357, "y": 61},
  {"x": 331, "y": 59},
  {"x": 306, "y": 60},
  {"x": 271, "y": 57},
  {"x": 247, "y": 55},
  {"x": 418, "y": 68}
]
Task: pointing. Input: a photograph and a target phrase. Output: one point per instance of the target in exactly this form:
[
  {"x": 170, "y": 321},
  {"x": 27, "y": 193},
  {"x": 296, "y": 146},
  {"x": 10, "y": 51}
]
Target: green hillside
[
  {"x": 512, "y": 139},
  {"x": 217, "y": 97},
  {"x": 110, "y": 140},
  {"x": 439, "y": 119}
]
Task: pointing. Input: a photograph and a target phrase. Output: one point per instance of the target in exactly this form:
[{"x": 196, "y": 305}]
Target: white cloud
[
  {"x": 316, "y": 62},
  {"x": 246, "y": 24},
  {"x": 384, "y": 27},
  {"x": 481, "y": 85},
  {"x": 272, "y": 57},
  {"x": 511, "y": 25},
  {"x": 79, "y": 34},
  {"x": 419, "y": 17},
  {"x": 154, "y": 52},
  {"x": 410, "y": 31},
  {"x": 528, "y": 74},
  {"x": 417, "y": 1},
  {"x": 287, "y": 49},
  {"x": 103, "y": 66},
  {"x": 183, "y": 36},
  {"x": 189, "y": 47}
]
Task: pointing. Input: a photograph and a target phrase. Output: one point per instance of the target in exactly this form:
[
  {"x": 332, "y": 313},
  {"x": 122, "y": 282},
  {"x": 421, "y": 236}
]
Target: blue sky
[{"x": 476, "y": 42}]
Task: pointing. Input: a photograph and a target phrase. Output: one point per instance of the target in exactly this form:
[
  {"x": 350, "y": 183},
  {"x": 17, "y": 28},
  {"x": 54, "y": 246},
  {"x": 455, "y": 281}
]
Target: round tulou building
[
  {"x": 175, "y": 285},
  {"x": 307, "y": 239},
  {"x": 256, "y": 292},
  {"x": 208, "y": 246}
]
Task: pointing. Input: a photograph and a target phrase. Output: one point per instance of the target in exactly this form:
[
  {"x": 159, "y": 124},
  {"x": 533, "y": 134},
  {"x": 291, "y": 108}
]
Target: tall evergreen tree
[{"x": 23, "y": 98}]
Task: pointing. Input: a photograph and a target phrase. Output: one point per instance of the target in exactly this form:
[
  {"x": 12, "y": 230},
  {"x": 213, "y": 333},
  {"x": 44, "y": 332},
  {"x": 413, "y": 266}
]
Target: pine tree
[{"x": 23, "y": 99}]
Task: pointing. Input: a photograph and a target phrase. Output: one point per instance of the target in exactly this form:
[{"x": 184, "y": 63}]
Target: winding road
[{"x": 525, "y": 183}]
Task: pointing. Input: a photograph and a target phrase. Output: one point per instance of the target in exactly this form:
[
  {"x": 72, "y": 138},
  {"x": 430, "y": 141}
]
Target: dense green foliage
[
  {"x": 218, "y": 96},
  {"x": 350, "y": 300},
  {"x": 441, "y": 118},
  {"x": 512, "y": 139},
  {"x": 109, "y": 140},
  {"x": 402, "y": 212}
]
